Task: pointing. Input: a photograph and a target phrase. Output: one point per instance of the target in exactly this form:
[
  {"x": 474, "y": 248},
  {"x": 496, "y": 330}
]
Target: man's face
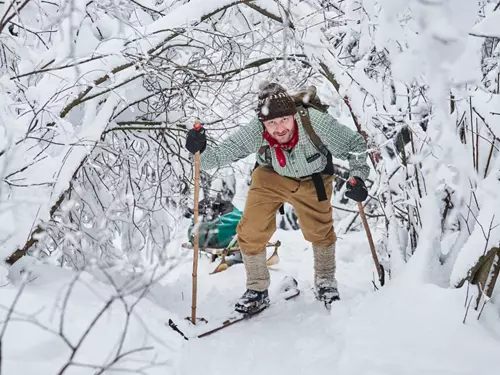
[{"x": 281, "y": 128}]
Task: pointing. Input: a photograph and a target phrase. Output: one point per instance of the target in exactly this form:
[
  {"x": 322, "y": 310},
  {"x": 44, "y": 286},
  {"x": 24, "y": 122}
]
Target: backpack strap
[
  {"x": 316, "y": 177},
  {"x": 263, "y": 149},
  {"x": 306, "y": 123},
  {"x": 265, "y": 153}
]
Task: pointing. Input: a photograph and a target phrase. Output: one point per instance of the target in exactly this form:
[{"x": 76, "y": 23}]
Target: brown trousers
[{"x": 267, "y": 193}]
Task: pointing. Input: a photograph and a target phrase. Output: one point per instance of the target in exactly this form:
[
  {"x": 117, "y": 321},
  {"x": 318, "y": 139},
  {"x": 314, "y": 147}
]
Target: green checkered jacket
[{"x": 304, "y": 159}]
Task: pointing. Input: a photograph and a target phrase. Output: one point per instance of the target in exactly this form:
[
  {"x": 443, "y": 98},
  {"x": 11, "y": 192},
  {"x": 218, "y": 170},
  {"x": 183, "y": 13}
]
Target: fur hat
[{"x": 274, "y": 102}]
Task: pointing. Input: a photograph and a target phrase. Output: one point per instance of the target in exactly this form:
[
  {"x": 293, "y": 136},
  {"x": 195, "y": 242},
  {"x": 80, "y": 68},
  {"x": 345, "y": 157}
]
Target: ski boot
[
  {"x": 252, "y": 302},
  {"x": 327, "y": 292}
]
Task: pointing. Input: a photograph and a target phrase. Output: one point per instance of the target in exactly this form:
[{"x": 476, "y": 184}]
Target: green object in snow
[{"x": 219, "y": 232}]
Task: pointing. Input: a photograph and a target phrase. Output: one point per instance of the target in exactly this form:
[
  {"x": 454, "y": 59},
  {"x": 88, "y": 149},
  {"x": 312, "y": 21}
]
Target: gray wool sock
[
  {"x": 324, "y": 265},
  {"x": 258, "y": 277}
]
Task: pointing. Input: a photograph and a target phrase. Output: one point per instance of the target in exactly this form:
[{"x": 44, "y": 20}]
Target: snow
[
  {"x": 486, "y": 233},
  {"x": 407, "y": 327},
  {"x": 488, "y": 27},
  {"x": 415, "y": 329},
  {"x": 397, "y": 61},
  {"x": 44, "y": 318}
]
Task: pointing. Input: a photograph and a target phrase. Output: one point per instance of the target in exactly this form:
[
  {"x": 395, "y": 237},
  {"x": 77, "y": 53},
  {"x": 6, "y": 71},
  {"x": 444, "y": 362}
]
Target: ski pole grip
[{"x": 197, "y": 125}]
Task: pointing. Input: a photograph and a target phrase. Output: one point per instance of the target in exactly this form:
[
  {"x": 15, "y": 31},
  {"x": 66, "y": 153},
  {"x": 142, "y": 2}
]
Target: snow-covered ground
[
  {"x": 403, "y": 328},
  {"x": 62, "y": 318},
  {"x": 407, "y": 327}
]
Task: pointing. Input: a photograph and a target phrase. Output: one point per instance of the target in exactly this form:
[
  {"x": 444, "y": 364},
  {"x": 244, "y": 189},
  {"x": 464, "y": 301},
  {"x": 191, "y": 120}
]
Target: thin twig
[
  {"x": 486, "y": 124},
  {"x": 471, "y": 122},
  {"x": 489, "y": 158},
  {"x": 467, "y": 310},
  {"x": 477, "y": 145}
]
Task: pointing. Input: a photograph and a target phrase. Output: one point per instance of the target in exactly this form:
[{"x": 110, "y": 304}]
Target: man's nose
[{"x": 280, "y": 128}]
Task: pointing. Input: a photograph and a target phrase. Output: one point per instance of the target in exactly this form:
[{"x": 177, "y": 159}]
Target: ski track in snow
[{"x": 405, "y": 328}]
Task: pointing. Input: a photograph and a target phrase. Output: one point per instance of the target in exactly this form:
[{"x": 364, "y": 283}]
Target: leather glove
[
  {"x": 356, "y": 189},
  {"x": 196, "y": 139}
]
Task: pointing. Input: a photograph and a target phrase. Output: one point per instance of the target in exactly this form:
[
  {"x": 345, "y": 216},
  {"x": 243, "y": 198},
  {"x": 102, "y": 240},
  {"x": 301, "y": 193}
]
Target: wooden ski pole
[
  {"x": 197, "y": 126},
  {"x": 380, "y": 270},
  {"x": 378, "y": 266}
]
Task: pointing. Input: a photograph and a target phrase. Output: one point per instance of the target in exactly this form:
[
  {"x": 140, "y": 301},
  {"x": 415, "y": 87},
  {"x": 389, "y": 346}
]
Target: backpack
[
  {"x": 217, "y": 232},
  {"x": 308, "y": 98}
]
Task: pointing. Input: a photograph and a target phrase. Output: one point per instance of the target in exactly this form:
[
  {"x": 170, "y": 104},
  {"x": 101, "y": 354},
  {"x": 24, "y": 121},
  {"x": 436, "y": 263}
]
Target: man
[{"x": 289, "y": 170}]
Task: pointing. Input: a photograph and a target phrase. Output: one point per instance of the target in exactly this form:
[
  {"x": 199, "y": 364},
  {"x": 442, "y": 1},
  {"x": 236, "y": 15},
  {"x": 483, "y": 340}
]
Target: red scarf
[{"x": 279, "y": 147}]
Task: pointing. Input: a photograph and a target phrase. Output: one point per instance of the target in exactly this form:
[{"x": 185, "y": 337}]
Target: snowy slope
[{"x": 405, "y": 328}]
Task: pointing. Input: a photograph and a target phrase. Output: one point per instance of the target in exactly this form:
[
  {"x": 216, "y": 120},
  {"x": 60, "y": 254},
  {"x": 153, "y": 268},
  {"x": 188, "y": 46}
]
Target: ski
[
  {"x": 287, "y": 290},
  {"x": 241, "y": 317}
]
